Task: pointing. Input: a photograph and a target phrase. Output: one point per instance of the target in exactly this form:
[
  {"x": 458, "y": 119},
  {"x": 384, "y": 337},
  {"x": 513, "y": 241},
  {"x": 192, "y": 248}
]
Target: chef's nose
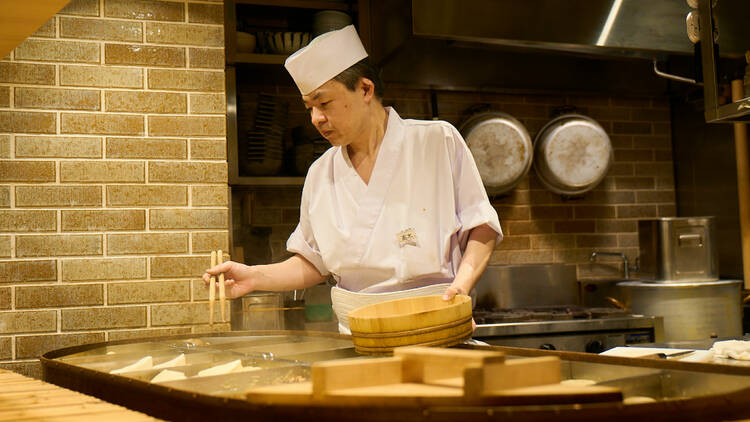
[{"x": 317, "y": 117}]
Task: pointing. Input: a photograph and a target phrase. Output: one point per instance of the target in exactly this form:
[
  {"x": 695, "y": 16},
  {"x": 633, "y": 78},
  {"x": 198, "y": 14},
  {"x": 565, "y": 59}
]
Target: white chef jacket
[{"x": 408, "y": 227}]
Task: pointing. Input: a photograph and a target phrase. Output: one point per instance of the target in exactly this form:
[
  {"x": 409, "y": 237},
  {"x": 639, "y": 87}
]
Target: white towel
[{"x": 734, "y": 349}]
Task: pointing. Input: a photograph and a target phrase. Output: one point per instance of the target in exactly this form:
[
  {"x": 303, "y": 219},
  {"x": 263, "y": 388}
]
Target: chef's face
[{"x": 337, "y": 112}]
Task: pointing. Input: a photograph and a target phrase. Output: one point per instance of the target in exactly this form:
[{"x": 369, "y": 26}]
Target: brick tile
[
  {"x": 57, "y": 99},
  {"x": 186, "y": 126},
  {"x": 29, "y": 368},
  {"x": 596, "y": 240},
  {"x": 59, "y": 296},
  {"x": 58, "y": 147},
  {"x": 656, "y": 142},
  {"x": 577, "y": 226},
  {"x": 57, "y": 51},
  {"x": 144, "y": 55},
  {"x": 616, "y": 226},
  {"x": 47, "y": 30},
  {"x": 637, "y": 155},
  {"x": 662, "y": 129},
  {"x": 58, "y": 196},
  {"x": 5, "y": 300},
  {"x": 4, "y": 96},
  {"x": 206, "y": 58},
  {"x": 650, "y": 115},
  {"x": 28, "y": 322},
  {"x": 184, "y": 34},
  {"x": 99, "y": 76},
  {"x": 206, "y": 13},
  {"x": 23, "y": 73},
  {"x": 513, "y": 212},
  {"x": 179, "y": 266},
  {"x": 514, "y": 242},
  {"x": 589, "y": 100},
  {"x": 212, "y": 196},
  {"x": 27, "y": 171},
  {"x": 35, "y": 346},
  {"x": 147, "y": 243},
  {"x": 290, "y": 216},
  {"x": 663, "y": 183},
  {"x": 82, "y": 8},
  {"x": 103, "y": 318},
  {"x": 627, "y": 240},
  {"x": 621, "y": 169},
  {"x": 187, "y": 219},
  {"x": 146, "y": 195},
  {"x": 27, "y": 271},
  {"x": 101, "y": 124},
  {"x": 527, "y": 227},
  {"x": 609, "y": 197},
  {"x": 4, "y": 196},
  {"x": 4, "y": 146},
  {"x": 636, "y": 211},
  {"x": 207, "y": 103},
  {"x": 6, "y": 348},
  {"x": 552, "y": 241},
  {"x": 632, "y": 127},
  {"x": 116, "y": 335},
  {"x": 20, "y": 221},
  {"x": 621, "y": 141},
  {"x": 27, "y": 122},
  {"x": 146, "y": 148},
  {"x": 187, "y": 172},
  {"x": 625, "y": 183},
  {"x": 100, "y": 30},
  {"x": 553, "y": 212},
  {"x": 663, "y": 155},
  {"x": 182, "y": 314},
  {"x": 594, "y": 211},
  {"x": 609, "y": 113},
  {"x": 145, "y": 102},
  {"x": 103, "y": 220},
  {"x": 631, "y": 102},
  {"x": 103, "y": 269},
  {"x": 210, "y": 241},
  {"x": 208, "y": 149},
  {"x": 521, "y": 257},
  {"x": 148, "y": 292},
  {"x": 667, "y": 210},
  {"x": 545, "y": 197},
  {"x": 5, "y": 246},
  {"x": 58, "y": 245},
  {"x": 186, "y": 80},
  {"x": 525, "y": 110},
  {"x": 106, "y": 171},
  {"x": 650, "y": 197},
  {"x": 145, "y": 10}
]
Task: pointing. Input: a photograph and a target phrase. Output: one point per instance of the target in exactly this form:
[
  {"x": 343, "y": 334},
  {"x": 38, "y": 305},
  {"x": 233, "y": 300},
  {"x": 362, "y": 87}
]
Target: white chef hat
[{"x": 326, "y": 56}]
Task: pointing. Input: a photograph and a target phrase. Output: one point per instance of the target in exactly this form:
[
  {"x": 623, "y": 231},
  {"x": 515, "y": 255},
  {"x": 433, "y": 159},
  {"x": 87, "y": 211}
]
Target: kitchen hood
[{"x": 638, "y": 28}]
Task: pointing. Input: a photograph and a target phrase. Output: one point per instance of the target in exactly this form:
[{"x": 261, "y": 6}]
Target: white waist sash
[{"x": 345, "y": 300}]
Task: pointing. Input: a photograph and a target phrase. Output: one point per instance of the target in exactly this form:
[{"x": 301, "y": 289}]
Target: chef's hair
[{"x": 362, "y": 69}]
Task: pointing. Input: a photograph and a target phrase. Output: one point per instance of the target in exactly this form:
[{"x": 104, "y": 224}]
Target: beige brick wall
[
  {"x": 539, "y": 226},
  {"x": 113, "y": 178}
]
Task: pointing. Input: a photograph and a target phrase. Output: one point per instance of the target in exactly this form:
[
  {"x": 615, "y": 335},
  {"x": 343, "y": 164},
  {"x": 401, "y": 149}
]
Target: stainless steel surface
[
  {"x": 502, "y": 149},
  {"x": 691, "y": 311},
  {"x": 572, "y": 154},
  {"x": 513, "y": 286},
  {"x": 570, "y": 326},
  {"x": 678, "y": 249},
  {"x": 642, "y": 28},
  {"x": 625, "y": 265},
  {"x": 258, "y": 311}
]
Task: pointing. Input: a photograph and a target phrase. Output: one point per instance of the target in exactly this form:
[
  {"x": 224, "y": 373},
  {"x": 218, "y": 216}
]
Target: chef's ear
[{"x": 367, "y": 88}]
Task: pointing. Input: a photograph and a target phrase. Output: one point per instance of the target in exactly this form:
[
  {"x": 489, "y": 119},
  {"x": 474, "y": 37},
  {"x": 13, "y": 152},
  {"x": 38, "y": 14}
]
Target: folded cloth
[{"x": 735, "y": 349}]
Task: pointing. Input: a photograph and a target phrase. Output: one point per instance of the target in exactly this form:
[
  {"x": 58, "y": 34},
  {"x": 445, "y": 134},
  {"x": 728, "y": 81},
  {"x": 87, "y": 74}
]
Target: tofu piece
[
  {"x": 168, "y": 375},
  {"x": 143, "y": 364}
]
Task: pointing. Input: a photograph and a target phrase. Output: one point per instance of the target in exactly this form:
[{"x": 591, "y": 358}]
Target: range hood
[{"x": 638, "y": 28}]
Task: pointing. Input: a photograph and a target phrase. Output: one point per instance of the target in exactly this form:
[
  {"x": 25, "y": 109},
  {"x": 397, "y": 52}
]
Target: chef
[{"x": 396, "y": 208}]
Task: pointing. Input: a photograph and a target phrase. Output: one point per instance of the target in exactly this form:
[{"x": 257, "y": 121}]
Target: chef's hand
[
  {"x": 237, "y": 278},
  {"x": 450, "y": 293}
]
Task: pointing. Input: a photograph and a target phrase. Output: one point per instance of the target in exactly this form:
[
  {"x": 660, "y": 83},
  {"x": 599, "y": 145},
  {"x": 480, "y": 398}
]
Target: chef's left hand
[{"x": 450, "y": 293}]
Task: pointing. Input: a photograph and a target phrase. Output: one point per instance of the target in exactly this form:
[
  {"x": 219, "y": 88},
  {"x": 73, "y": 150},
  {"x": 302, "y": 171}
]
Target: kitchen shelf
[
  {"x": 300, "y": 4},
  {"x": 259, "y": 58}
]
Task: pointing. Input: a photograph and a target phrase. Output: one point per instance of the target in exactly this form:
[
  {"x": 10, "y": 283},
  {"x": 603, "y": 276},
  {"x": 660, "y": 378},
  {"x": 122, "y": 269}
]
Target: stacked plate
[{"x": 265, "y": 149}]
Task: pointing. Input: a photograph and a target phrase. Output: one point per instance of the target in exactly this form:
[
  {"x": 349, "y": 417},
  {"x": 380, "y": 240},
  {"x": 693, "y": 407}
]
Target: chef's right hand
[{"x": 237, "y": 277}]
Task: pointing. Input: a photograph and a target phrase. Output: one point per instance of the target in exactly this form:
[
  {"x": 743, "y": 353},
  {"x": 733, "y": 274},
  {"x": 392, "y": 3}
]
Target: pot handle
[
  {"x": 616, "y": 302},
  {"x": 746, "y": 299}
]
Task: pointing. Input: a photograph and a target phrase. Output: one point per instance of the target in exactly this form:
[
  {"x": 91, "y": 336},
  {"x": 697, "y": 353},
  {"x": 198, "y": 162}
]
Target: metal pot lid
[
  {"x": 573, "y": 154},
  {"x": 502, "y": 149}
]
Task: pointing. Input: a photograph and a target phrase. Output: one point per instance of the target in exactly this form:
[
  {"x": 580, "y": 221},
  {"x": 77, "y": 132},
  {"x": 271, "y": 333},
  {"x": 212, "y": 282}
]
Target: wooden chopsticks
[{"x": 217, "y": 257}]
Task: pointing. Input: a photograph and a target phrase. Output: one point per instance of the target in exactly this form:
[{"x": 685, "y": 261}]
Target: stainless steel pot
[
  {"x": 572, "y": 154},
  {"x": 517, "y": 286},
  {"x": 691, "y": 311},
  {"x": 501, "y": 147}
]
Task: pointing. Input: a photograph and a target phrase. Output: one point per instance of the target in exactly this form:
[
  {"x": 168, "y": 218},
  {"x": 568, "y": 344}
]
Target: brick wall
[
  {"x": 539, "y": 226},
  {"x": 113, "y": 178}
]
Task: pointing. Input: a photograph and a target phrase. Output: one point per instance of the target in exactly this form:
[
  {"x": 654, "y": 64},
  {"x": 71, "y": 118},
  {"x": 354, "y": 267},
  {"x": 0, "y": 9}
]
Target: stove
[{"x": 570, "y": 328}]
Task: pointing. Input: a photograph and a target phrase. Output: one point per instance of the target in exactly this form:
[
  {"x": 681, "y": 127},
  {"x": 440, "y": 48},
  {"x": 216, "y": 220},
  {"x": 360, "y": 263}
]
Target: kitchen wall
[
  {"x": 539, "y": 226},
  {"x": 113, "y": 177}
]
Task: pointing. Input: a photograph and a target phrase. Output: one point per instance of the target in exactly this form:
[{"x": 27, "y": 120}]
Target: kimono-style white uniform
[{"x": 407, "y": 228}]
